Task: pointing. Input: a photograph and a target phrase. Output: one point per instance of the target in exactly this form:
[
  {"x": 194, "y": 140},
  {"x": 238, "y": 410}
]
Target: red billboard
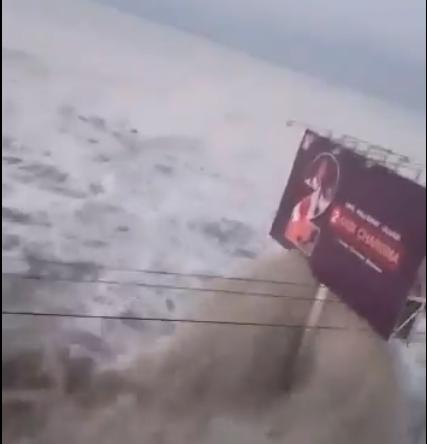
[{"x": 361, "y": 226}]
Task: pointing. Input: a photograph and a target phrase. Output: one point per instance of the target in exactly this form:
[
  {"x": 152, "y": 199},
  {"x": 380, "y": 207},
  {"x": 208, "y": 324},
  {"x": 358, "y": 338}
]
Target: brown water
[{"x": 208, "y": 384}]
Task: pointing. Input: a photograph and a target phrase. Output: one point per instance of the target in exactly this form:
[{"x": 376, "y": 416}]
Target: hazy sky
[{"x": 374, "y": 46}]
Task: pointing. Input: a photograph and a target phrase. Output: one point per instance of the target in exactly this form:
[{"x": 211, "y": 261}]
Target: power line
[
  {"x": 159, "y": 286},
  {"x": 165, "y": 320},
  {"x": 159, "y": 272}
]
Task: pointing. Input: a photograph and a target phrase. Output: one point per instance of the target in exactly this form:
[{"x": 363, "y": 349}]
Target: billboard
[{"x": 361, "y": 226}]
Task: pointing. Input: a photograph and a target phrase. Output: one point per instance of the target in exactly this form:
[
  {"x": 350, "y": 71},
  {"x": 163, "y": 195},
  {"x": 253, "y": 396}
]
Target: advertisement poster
[{"x": 361, "y": 226}]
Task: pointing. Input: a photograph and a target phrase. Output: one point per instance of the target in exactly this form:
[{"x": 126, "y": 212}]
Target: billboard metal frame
[{"x": 377, "y": 154}]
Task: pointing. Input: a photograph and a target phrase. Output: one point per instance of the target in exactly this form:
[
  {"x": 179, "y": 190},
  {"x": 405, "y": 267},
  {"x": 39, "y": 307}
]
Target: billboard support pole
[
  {"x": 310, "y": 325},
  {"x": 316, "y": 309}
]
